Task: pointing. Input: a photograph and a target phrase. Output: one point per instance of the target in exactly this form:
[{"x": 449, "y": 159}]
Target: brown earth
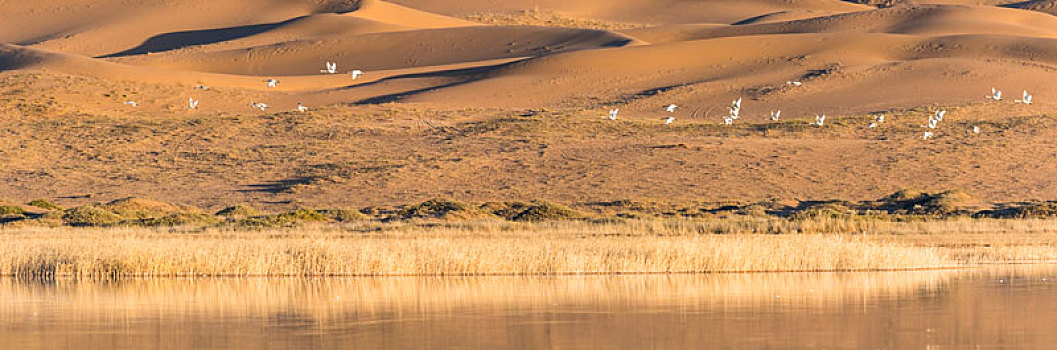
[{"x": 480, "y": 100}]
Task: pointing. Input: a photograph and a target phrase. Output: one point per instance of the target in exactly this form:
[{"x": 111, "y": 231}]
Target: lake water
[{"x": 1011, "y": 307}]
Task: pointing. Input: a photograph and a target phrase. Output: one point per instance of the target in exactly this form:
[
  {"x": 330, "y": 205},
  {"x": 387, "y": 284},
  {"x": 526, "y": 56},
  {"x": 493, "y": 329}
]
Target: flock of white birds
[
  {"x": 329, "y": 68},
  {"x": 734, "y": 113}
]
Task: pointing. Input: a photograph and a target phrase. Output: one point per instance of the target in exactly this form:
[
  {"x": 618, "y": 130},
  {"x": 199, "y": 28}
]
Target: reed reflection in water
[{"x": 1010, "y": 307}]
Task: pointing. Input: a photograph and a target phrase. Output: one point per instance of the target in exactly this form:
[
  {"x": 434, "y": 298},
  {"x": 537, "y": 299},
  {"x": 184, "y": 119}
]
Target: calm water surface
[{"x": 992, "y": 308}]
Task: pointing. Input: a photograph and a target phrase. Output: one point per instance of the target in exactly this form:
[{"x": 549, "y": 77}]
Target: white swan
[
  {"x": 259, "y": 105},
  {"x": 356, "y": 74},
  {"x": 332, "y": 68},
  {"x": 995, "y": 95},
  {"x": 272, "y": 82},
  {"x": 820, "y": 120},
  {"x": 877, "y": 121},
  {"x": 1026, "y": 99},
  {"x": 301, "y": 108}
]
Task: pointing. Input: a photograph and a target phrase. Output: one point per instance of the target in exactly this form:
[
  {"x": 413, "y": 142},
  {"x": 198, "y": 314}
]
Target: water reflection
[{"x": 1009, "y": 307}]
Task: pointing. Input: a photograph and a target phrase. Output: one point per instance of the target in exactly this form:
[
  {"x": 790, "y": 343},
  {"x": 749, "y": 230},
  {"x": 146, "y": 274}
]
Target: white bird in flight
[
  {"x": 613, "y": 113},
  {"x": 820, "y": 120},
  {"x": 728, "y": 121},
  {"x": 794, "y": 83},
  {"x": 671, "y": 108},
  {"x": 735, "y": 113},
  {"x": 935, "y": 120},
  {"x": 976, "y": 129},
  {"x": 272, "y": 82},
  {"x": 356, "y": 74},
  {"x": 877, "y": 120},
  {"x": 995, "y": 95},
  {"x": 669, "y": 121},
  {"x": 933, "y": 123},
  {"x": 1026, "y": 99},
  {"x": 192, "y": 103},
  {"x": 301, "y": 108},
  {"x": 259, "y": 105},
  {"x": 735, "y": 109},
  {"x": 776, "y": 115},
  {"x": 132, "y": 103},
  {"x": 332, "y": 68},
  {"x": 928, "y": 135}
]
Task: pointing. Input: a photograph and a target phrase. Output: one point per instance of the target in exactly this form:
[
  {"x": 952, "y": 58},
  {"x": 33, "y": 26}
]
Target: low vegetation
[
  {"x": 906, "y": 230},
  {"x": 843, "y": 216}
]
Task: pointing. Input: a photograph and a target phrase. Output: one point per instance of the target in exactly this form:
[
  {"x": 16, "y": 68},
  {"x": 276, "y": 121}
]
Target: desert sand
[{"x": 482, "y": 100}]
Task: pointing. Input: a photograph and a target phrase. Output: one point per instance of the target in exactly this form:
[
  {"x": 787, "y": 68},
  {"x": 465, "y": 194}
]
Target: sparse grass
[{"x": 537, "y": 17}]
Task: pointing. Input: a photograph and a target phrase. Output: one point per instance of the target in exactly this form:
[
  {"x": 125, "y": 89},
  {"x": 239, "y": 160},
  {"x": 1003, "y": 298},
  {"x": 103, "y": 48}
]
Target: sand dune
[{"x": 72, "y": 58}]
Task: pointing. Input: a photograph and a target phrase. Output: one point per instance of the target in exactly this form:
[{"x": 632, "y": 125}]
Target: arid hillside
[{"x": 487, "y": 101}]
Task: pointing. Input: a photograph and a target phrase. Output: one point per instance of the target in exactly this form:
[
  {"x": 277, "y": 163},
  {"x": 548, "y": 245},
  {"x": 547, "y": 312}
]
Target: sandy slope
[{"x": 78, "y": 61}]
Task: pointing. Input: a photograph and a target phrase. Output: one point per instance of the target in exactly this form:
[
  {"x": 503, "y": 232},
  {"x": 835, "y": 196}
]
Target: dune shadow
[
  {"x": 177, "y": 40},
  {"x": 467, "y": 75}
]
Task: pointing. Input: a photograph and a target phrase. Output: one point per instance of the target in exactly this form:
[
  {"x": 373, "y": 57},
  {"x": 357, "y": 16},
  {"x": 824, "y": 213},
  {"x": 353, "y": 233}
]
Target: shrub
[
  {"x": 440, "y": 208},
  {"x": 181, "y": 219},
  {"x": 44, "y": 204},
  {"x": 11, "y": 210},
  {"x": 239, "y": 211},
  {"x": 90, "y": 215},
  {"x": 547, "y": 211},
  {"x": 344, "y": 215}
]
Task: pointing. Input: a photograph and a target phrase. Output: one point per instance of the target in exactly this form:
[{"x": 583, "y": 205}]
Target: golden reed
[{"x": 501, "y": 248}]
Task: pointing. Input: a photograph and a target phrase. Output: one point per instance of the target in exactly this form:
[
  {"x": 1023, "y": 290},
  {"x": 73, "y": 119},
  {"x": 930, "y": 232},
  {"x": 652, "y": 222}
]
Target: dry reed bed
[{"x": 488, "y": 248}]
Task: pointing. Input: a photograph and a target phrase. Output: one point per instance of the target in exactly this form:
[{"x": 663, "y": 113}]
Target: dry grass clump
[
  {"x": 538, "y": 17},
  {"x": 440, "y": 208},
  {"x": 287, "y": 219},
  {"x": 240, "y": 211},
  {"x": 1024, "y": 211},
  {"x": 904, "y": 202},
  {"x": 90, "y": 215},
  {"x": 44, "y": 204},
  {"x": 142, "y": 208},
  {"x": 344, "y": 215}
]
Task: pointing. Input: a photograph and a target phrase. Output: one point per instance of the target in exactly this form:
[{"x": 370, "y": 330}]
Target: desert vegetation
[{"x": 135, "y": 237}]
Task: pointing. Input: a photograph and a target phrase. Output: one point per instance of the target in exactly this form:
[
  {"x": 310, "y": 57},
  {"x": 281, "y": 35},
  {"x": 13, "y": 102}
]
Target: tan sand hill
[{"x": 95, "y": 100}]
